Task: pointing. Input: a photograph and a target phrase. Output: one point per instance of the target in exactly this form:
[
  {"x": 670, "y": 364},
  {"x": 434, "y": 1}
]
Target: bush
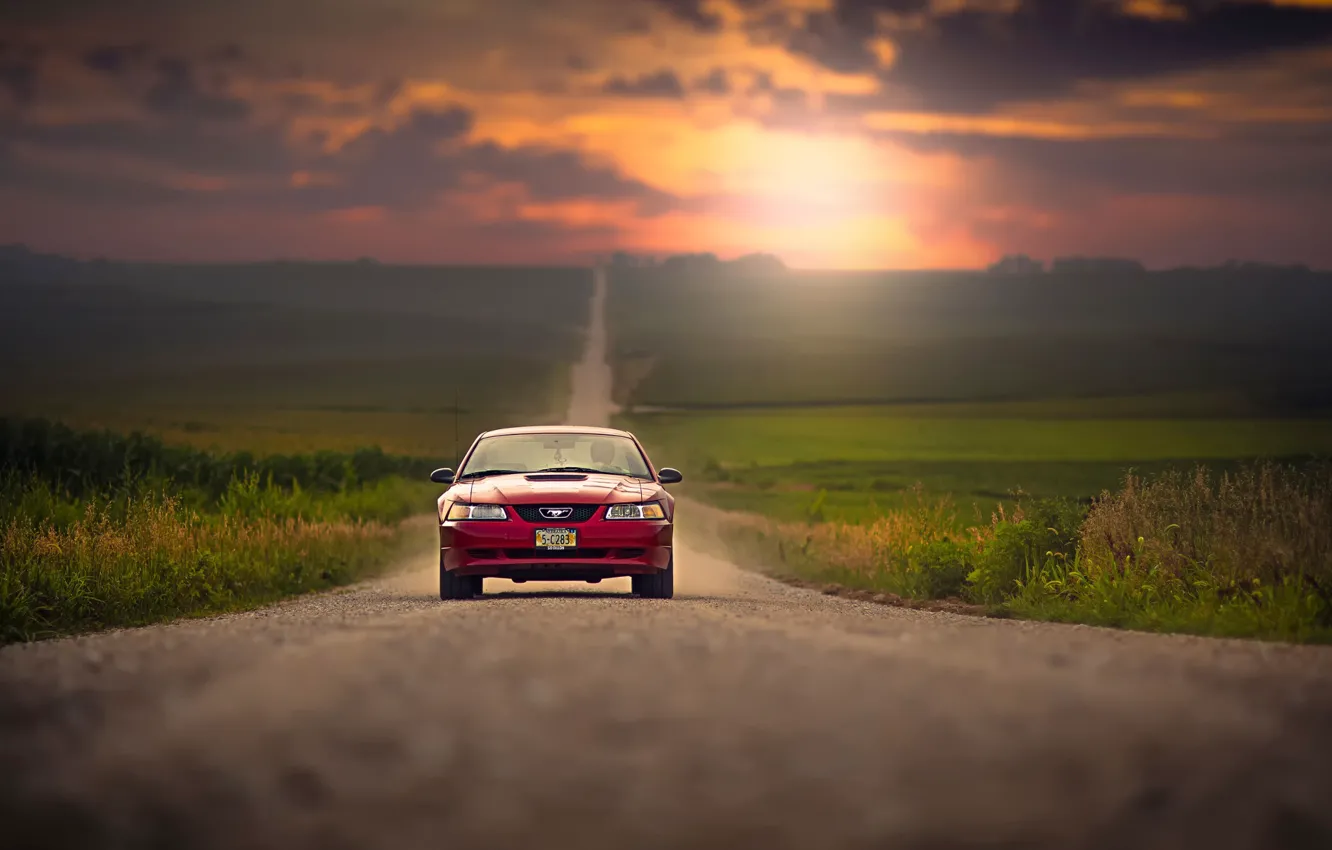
[
  {"x": 937, "y": 570},
  {"x": 1036, "y": 535},
  {"x": 1243, "y": 554}
]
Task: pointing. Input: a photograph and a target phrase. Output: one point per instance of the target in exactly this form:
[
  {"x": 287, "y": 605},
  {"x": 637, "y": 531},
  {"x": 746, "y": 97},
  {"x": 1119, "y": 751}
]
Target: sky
[{"x": 833, "y": 133}]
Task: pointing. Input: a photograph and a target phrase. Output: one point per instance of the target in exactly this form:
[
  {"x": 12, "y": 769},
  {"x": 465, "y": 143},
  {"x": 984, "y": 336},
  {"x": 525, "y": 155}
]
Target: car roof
[{"x": 557, "y": 429}]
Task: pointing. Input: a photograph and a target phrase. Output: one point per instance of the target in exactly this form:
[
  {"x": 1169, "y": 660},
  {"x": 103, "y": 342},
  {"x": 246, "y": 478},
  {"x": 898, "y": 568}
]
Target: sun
[{"x": 797, "y": 179}]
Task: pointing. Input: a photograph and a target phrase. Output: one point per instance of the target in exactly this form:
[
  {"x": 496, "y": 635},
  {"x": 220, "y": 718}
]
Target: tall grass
[
  {"x": 1263, "y": 524},
  {"x": 89, "y": 462},
  {"x": 1247, "y": 553},
  {"x": 122, "y": 565},
  {"x": 87, "y": 544}
]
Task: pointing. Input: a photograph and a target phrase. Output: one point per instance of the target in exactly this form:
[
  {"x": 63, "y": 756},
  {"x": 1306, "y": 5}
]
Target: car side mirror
[
  {"x": 666, "y": 475},
  {"x": 442, "y": 476}
]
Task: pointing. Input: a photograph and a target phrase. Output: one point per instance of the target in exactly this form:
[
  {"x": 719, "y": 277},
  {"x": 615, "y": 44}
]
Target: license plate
[{"x": 556, "y": 538}]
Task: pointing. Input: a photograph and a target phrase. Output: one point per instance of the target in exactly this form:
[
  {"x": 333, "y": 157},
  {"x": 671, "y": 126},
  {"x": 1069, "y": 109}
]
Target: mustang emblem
[{"x": 556, "y": 513}]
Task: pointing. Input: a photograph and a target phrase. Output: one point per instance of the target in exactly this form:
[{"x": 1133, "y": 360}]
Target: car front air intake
[{"x": 552, "y": 513}]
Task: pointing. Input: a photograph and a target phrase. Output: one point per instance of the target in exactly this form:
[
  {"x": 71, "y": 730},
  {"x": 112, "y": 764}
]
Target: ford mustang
[{"x": 556, "y": 503}]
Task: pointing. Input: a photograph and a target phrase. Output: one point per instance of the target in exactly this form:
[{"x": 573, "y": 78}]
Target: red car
[{"x": 556, "y": 503}]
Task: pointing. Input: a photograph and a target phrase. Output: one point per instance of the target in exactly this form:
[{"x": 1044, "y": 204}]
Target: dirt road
[{"x": 741, "y": 714}]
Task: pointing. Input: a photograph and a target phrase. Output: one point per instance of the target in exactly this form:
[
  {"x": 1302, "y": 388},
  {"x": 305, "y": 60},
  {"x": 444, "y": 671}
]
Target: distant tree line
[
  {"x": 706, "y": 263},
  {"x": 1021, "y": 264}
]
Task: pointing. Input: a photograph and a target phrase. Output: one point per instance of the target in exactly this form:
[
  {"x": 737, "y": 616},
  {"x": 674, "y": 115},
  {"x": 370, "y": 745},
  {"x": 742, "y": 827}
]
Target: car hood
[{"x": 581, "y": 489}]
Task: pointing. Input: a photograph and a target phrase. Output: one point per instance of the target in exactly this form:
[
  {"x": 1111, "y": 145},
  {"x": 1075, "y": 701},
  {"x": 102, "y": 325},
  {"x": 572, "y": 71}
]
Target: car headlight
[
  {"x": 458, "y": 510},
  {"x": 647, "y": 510}
]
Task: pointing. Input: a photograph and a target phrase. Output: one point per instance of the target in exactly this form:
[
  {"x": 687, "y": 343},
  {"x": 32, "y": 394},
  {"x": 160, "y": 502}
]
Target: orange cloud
[
  {"x": 1034, "y": 128},
  {"x": 1159, "y": 10}
]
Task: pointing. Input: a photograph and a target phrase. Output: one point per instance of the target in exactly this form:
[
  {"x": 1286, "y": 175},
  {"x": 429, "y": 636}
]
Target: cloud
[
  {"x": 790, "y": 109},
  {"x": 427, "y": 155},
  {"x": 234, "y": 148},
  {"x": 161, "y": 232},
  {"x": 402, "y": 167},
  {"x": 227, "y": 53},
  {"x": 970, "y": 58},
  {"x": 405, "y": 167},
  {"x": 663, "y": 83},
  {"x": 691, "y": 12},
  {"x": 366, "y": 139},
  {"x": 716, "y": 82},
  {"x": 114, "y": 59},
  {"x": 826, "y": 37},
  {"x": 176, "y": 93},
  {"x": 19, "y": 67},
  {"x": 1050, "y": 171}
]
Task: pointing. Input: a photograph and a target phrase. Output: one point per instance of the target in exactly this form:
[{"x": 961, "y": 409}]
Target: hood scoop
[{"x": 557, "y": 476}]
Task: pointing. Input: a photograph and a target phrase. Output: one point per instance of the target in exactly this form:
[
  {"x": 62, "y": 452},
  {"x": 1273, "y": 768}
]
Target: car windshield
[{"x": 557, "y": 452}]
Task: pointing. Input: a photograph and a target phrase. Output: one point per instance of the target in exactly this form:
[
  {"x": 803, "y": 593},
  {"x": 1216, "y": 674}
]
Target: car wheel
[
  {"x": 659, "y": 585},
  {"x": 454, "y": 586}
]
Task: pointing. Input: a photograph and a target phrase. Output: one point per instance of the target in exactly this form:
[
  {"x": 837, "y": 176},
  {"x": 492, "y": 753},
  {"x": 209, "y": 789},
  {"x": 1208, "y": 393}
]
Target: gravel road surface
[{"x": 741, "y": 714}]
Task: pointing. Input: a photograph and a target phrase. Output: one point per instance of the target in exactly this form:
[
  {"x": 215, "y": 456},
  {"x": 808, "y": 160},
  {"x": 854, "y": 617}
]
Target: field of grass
[
  {"x": 1246, "y": 553},
  {"x": 830, "y": 394},
  {"x": 101, "y": 529},
  {"x": 962, "y": 435},
  {"x": 842, "y": 338},
  {"x": 271, "y": 425},
  {"x": 289, "y": 357},
  {"x": 852, "y": 463}
]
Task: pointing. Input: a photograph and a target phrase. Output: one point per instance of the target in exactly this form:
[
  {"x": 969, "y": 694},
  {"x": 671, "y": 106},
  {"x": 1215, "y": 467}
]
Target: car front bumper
[{"x": 506, "y": 549}]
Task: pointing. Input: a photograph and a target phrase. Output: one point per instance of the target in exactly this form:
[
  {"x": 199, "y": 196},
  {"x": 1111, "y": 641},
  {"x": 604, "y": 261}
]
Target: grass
[
  {"x": 104, "y": 530},
  {"x": 786, "y": 437},
  {"x": 405, "y": 407},
  {"x": 233, "y": 433},
  {"x": 1243, "y": 554},
  {"x": 89, "y": 461},
  {"x": 949, "y": 435},
  {"x": 839, "y": 338},
  {"x": 857, "y": 462},
  {"x": 141, "y": 561},
  {"x": 1074, "y": 519},
  {"x": 290, "y": 357}
]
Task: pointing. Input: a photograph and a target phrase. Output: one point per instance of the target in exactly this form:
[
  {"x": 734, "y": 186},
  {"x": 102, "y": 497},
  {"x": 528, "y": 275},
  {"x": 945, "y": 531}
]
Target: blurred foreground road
[{"x": 741, "y": 714}]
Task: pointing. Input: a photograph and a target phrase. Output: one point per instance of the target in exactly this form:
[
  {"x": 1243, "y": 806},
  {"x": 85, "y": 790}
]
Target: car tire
[
  {"x": 454, "y": 586},
  {"x": 659, "y": 585}
]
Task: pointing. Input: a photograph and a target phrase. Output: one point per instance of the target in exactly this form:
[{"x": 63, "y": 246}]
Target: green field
[
  {"x": 299, "y": 406},
  {"x": 787, "y": 437},
  {"x": 840, "y": 391},
  {"x": 857, "y": 461},
  {"x": 99, "y": 529},
  {"x": 289, "y": 357},
  {"x": 891, "y": 338},
  {"x": 1142, "y": 451}
]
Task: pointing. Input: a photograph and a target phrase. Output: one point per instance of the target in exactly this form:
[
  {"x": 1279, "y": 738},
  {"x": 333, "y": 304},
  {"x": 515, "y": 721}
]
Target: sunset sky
[{"x": 835, "y": 133}]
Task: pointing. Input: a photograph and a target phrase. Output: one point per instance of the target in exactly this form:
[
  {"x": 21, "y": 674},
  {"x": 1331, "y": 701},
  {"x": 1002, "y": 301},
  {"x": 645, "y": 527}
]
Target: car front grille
[{"x": 532, "y": 513}]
